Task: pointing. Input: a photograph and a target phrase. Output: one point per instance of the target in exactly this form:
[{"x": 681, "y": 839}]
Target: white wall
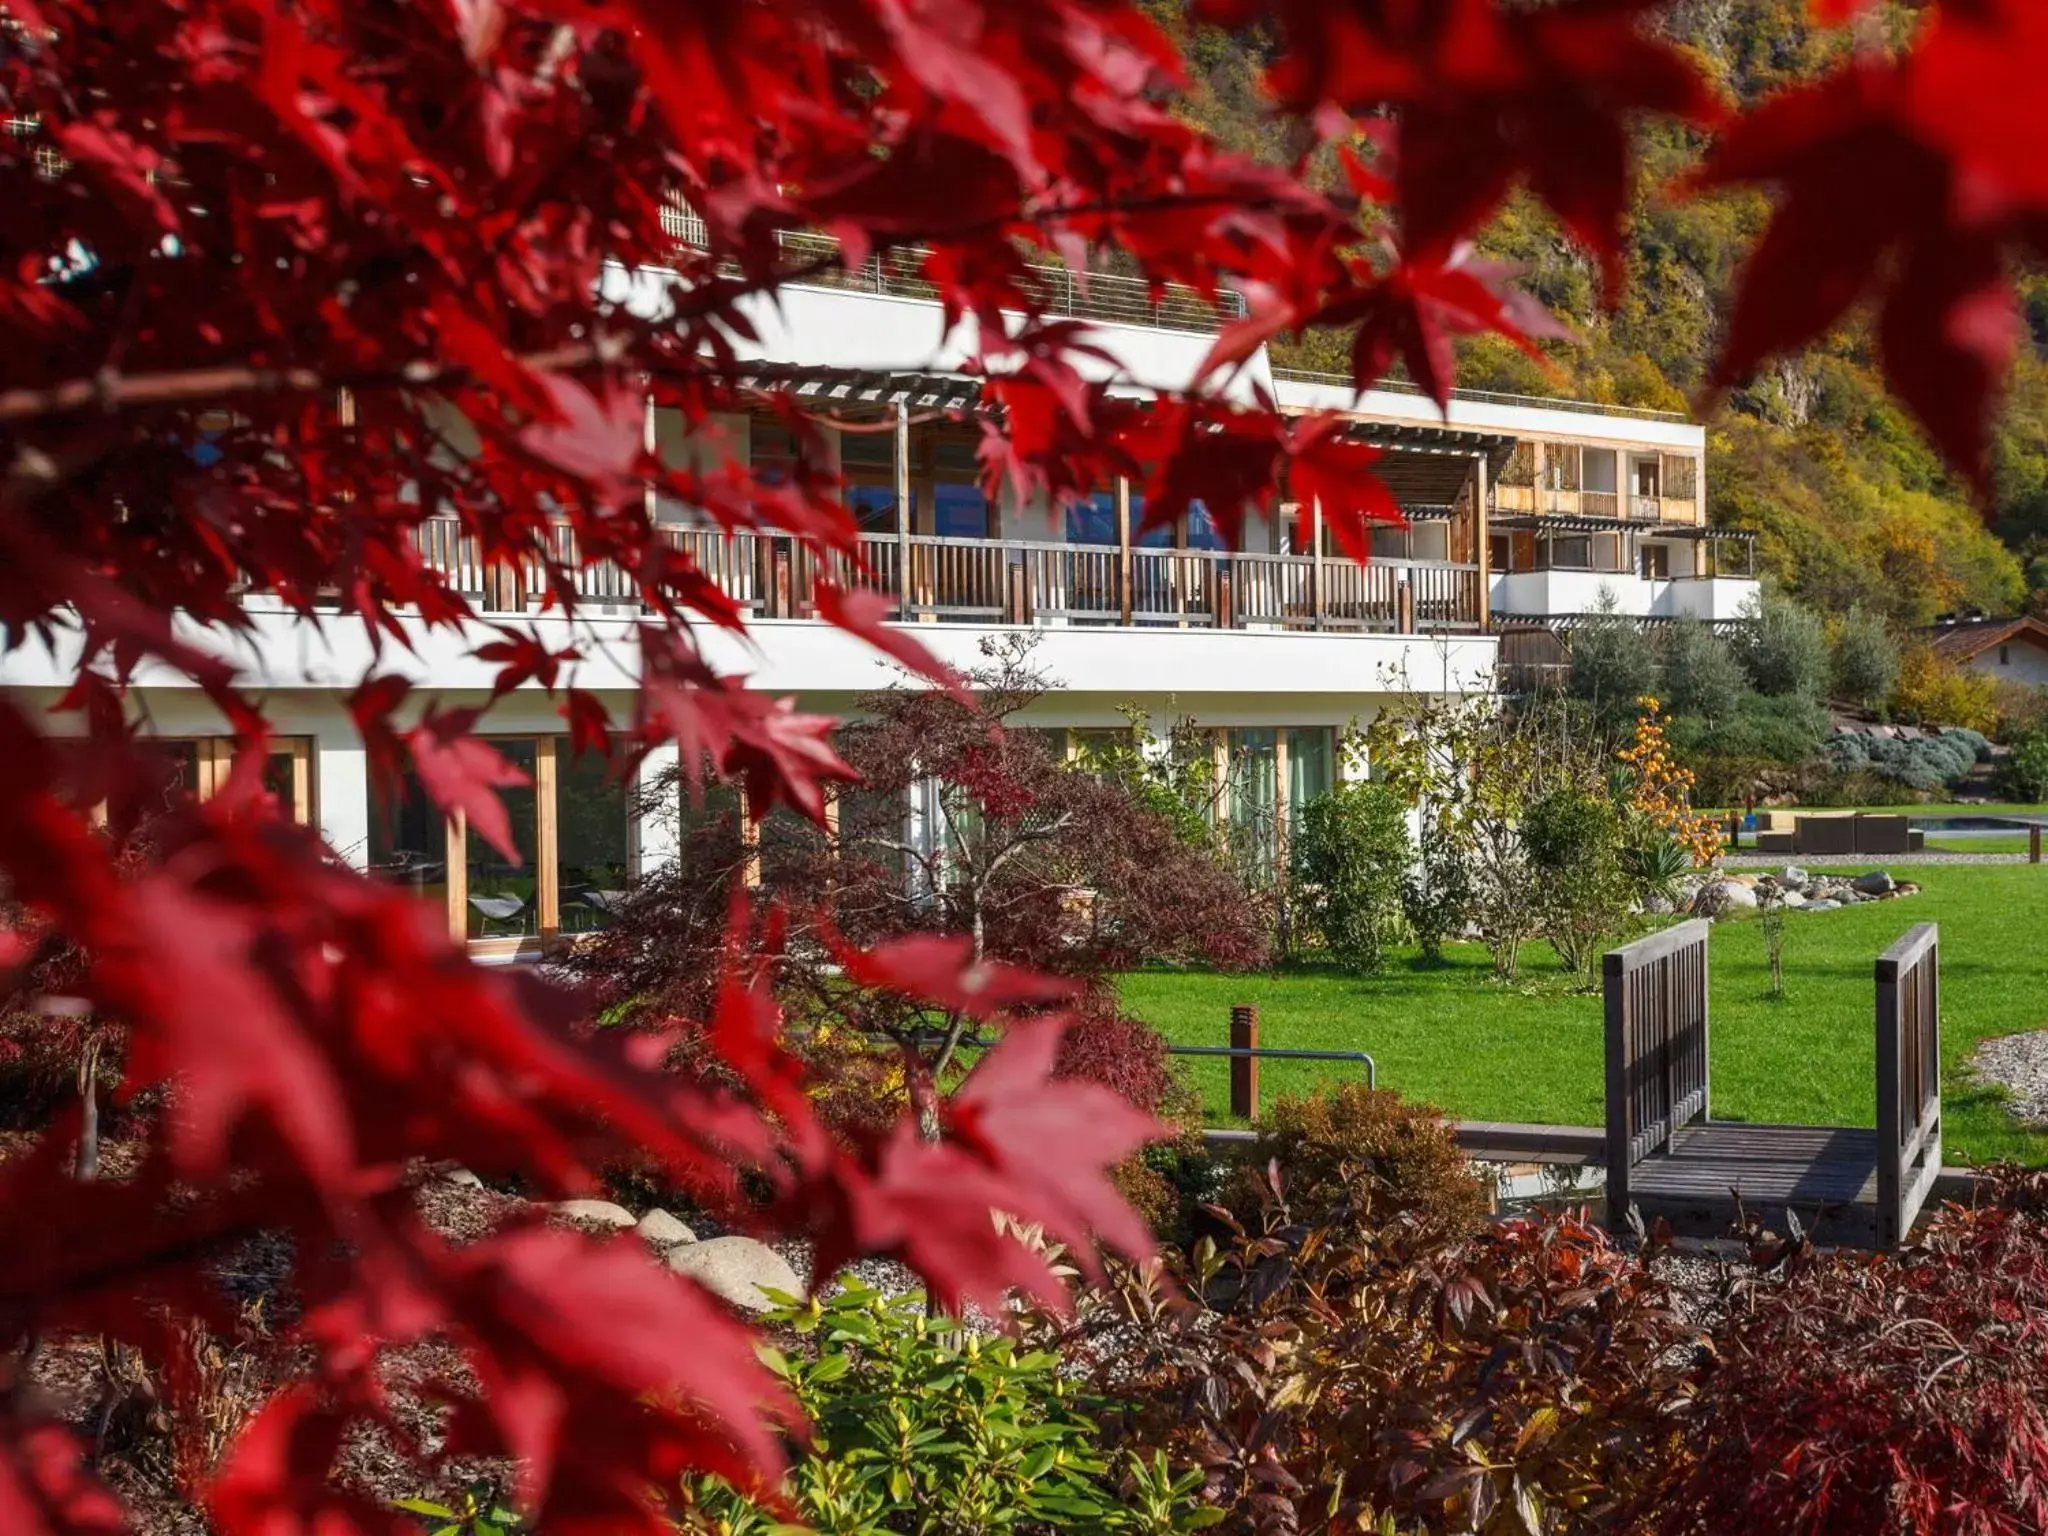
[
  {"x": 1526, "y": 421},
  {"x": 2025, "y": 663},
  {"x": 1563, "y": 594}
]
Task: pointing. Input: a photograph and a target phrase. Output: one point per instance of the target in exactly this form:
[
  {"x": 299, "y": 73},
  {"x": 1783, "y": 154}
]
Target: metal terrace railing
[
  {"x": 1085, "y": 296},
  {"x": 1009, "y": 581},
  {"x": 1486, "y": 396}
]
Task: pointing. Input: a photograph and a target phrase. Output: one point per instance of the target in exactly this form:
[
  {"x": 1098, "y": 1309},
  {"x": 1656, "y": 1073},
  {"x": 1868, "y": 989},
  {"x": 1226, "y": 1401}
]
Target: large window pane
[
  {"x": 960, "y": 511},
  {"x": 593, "y": 839},
  {"x": 1094, "y": 521},
  {"x": 1309, "y": 766},
  {"x": 409, "y": 842},
  {"x": 503, "y": 896},
  {"x": 874, "y": 507},
  {"x": 1254, "y": 764}
]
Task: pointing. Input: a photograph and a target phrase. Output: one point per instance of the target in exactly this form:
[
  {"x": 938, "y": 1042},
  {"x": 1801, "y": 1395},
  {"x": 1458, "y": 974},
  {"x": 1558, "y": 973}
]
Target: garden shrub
[
  {"x": 1701, "y": 676},
  {"x": 1502, "y": 1379},
  {"x": 1436, "y": 891},
  {"x": 920, "y": 1426},
  {"x": 1366, "y": 1152},
  {"x": 1784, "y": 648},
  {"x": 1906, "y": 1395},
  {"x": 1933, "y": 691},
  {"x": 1926, "y": 763},
  {"x": 1611, "y": 666},
  {"x": 1351, "y": 852},
  {"x": 2024, "y": 774},
  {"x": 1866, "y": 658},
  {"x": 1580, "y": 887}
]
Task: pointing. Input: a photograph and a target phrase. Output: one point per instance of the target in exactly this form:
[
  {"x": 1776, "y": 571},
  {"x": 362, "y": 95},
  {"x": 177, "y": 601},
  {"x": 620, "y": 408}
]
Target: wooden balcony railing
[{"x": 1014, "y": 582}]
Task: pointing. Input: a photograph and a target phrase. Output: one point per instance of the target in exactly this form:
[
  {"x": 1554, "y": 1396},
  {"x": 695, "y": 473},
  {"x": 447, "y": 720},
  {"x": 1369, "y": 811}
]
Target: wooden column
[
  {"x": 902, "y": 457},
  {"x": 1280, "y": 804},
  {"x": 547, "y": 862},
  {"x": 1244, "y": 1070},
  {"x": 750, "y": 842},
  {"x": 1483, "y": 544},
  {"x": 1219, "y": 766},
  {"x": 1124, "y": 562},
  {"x": 1313, "y": 511},
  {"x": 458, "y": 877},
  {"x": 2034, "y": 843}
]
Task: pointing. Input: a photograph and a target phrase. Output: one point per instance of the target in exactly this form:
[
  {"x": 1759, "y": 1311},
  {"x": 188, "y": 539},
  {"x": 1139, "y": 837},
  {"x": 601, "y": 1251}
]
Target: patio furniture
[
  {"x": 1916, "y": 840},
  {"x": 1824, "y": 834},
  {"x": 498, "y": 909},
  {"x": 1774, "y": 842},
  {"x": 1882, "y": 834},
  {"x": 1669, "y": 1159}
]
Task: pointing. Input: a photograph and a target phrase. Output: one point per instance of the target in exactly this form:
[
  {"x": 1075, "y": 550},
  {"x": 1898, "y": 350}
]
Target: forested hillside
[{"x": 1853, "y": 505}]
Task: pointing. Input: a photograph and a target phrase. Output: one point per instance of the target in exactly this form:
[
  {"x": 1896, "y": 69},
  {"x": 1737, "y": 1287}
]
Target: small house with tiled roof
[{"x": 2014, "y": 650}]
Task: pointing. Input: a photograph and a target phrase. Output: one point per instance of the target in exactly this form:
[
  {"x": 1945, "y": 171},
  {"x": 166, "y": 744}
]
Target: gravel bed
[{"x": 2019, "y": 1065}]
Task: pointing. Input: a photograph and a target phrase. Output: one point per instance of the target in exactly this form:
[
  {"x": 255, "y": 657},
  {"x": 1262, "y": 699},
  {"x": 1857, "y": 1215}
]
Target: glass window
[
  {"x": 1094, "y": 521},
  {"x": 960, "y": 511},
  {"x": 408, "y": 843},
  {"x": 1310, "y": 755},
  {"x": 874, "y": 507},
  {"x": 1430, "y": 541},
  {"x": 1254, "y": 765},
  {"x": 593, "y": 839},
  {"x": 1597, "y": 464},
  {"x": 874, "y": 449},
  {"x": 1202, "y": 530},
  {"x": 1572, "y": 553},
  {"x": 1389, "y": 543},
  {"x": 504, "y": 898},
  {"x": 1500, "y": 551}
]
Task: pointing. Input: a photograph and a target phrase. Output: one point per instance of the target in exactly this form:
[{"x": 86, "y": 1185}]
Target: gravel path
[
  {"x": 1862, "y": 860},
  {"x": 2018, "y": 1064}
]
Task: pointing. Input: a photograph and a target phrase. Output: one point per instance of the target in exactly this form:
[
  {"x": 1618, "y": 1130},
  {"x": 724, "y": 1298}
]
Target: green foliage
[
  {"x": 1177, "y": 784},
  {"x": 1436, "y": 890},
  {"x": 1611, "y": 667},
  {"x": 921, "y": 1428},
  {"x": 476, "y": 1511},
  {"x": 1772, "y": 730},
  {"x": 1784, "y": 649},
  {"x": 1652, "y": 863},
  {"x": 1579, "y": 884},
  {"x": 1350, "y": 1150},
  {"x": 1926, "y": 763},
  {"x": 1702, "y": 677},
  {"x": 2024, "y": 775},
  {"x": 1351, "y": 852},
  {"x": 1866, "y": 658}
]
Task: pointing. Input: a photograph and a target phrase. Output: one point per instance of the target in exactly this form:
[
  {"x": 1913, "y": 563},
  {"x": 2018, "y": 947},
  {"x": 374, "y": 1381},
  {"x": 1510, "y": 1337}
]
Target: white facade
[{"x": 1574, "y": 594}]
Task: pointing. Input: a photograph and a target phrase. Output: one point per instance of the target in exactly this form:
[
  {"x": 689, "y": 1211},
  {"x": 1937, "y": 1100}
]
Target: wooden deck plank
[{"x": 1764, "y": 1164}]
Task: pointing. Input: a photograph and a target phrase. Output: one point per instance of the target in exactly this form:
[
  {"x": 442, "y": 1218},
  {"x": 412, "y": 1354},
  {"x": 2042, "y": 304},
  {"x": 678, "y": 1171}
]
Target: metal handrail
[
  {"x": 1088, "y": 296},
  {"x": 1264, "y": 1052},
  {"x": 1486, "y": 396}
]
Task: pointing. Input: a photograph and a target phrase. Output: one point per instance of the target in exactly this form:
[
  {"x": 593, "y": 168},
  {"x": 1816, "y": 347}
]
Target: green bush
[
  {"x": 1351, "y": 852},
  {"x": 2025, "y": 773},
  {"x": 919, "y": 1426},
  {"x": 1701, "y": 675},
  {"x": 1436, "y": 891},
  {"x": 1785, "y": 651},
  {"x": 1581, "y": 889},
  {"x": 1350, "y": 1150},
  {"x": 1866, "y": 658}
]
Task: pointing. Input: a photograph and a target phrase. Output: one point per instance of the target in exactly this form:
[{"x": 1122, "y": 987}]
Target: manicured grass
[
  {"x": 1451, "y": 1036},
  {"x": 1937, "y": 809}
]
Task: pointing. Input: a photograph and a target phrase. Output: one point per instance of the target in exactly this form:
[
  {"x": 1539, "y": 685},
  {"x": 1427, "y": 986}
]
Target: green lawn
[
  {"x": 1936, "y": 809},
  {"x": 1963, "y": 842},
  {"x": 1532, "y": 1052}
]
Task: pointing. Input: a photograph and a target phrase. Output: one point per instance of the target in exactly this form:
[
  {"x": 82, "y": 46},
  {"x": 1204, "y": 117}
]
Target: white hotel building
[{"x": 1522, "y": 512}]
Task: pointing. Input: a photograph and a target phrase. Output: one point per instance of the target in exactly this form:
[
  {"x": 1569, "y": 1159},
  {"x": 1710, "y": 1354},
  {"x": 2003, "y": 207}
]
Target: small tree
[
  {"x": 1611, "y": 666},
  {"x": 1771, "y": 909},
  {"x": 1580, "y": 889},
  {"x": 1866, "y": 658},
  {"x": 2024, "y": 775},
  {"x": 1785, "y": 650},
  {"x": 1350, "y": 854},
  {"x": 1703, "y": 678}
]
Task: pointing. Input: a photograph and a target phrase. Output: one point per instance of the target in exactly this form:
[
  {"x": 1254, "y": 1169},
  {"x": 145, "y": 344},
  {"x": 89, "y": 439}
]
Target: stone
[
  {"x": 1876, "y": 883},
  {"x": 1794, "y": 875},
  {"x": 461, "y": 1176},
  {"x": 1721, "y": 897},
  {"x": 1823, "y": 905},
  {"x": 594, "y": 1213},
  {"x": 736, "y": 1270},
  {"x": 663, "y": 1231},
  {"x": 1792, "y": 897}
]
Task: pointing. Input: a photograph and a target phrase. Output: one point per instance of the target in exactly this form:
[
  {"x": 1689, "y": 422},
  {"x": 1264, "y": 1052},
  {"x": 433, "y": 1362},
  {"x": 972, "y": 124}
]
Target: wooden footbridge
[{"x": 1668, "y": 1157}]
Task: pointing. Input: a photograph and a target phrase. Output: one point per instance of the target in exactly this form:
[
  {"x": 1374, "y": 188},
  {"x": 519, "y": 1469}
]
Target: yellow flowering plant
[{"x": 1660, "y": 789}]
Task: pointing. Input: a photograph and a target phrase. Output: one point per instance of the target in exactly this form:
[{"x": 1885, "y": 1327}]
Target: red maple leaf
[
  {"x": 462, "y": 775},
  {"x": 940, "y": 968},
  {"x": 862, "y": 612}
]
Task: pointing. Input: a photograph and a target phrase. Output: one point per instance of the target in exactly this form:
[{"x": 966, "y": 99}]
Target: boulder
[
  {"x": 1792, "y": 896},
  {"x": 663, "y": 1231},
  {"x": 594, "y": 1213},
  {"x": 1721, "y": 897},
  {"x": 462, "y": 1176},
  {"x": 1794, "y": 875},
  {"x": 1876, "y": 883},
  {"x": 736, "y": 1270},
  {"x": 1823, "y": 905}
]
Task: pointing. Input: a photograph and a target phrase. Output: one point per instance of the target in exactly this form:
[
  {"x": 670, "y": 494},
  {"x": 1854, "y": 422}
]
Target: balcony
[{"x": 1013, "y": 583}]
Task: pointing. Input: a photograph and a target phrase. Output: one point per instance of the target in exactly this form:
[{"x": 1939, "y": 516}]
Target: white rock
[
  {"x": 594, "y": 1213},
  {"x": 735, "y": 1269},
  {"x": 1794, "y": 875},
  {"x": 461, "y": 1176},
  {"x": 1823, "y": 905},
  {"x": 1792, "y": 898},
  {"x": 663, "y": 1230}
]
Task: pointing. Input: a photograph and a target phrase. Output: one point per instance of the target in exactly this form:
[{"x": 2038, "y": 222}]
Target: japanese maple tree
[{"x": 285, "y": 277}]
